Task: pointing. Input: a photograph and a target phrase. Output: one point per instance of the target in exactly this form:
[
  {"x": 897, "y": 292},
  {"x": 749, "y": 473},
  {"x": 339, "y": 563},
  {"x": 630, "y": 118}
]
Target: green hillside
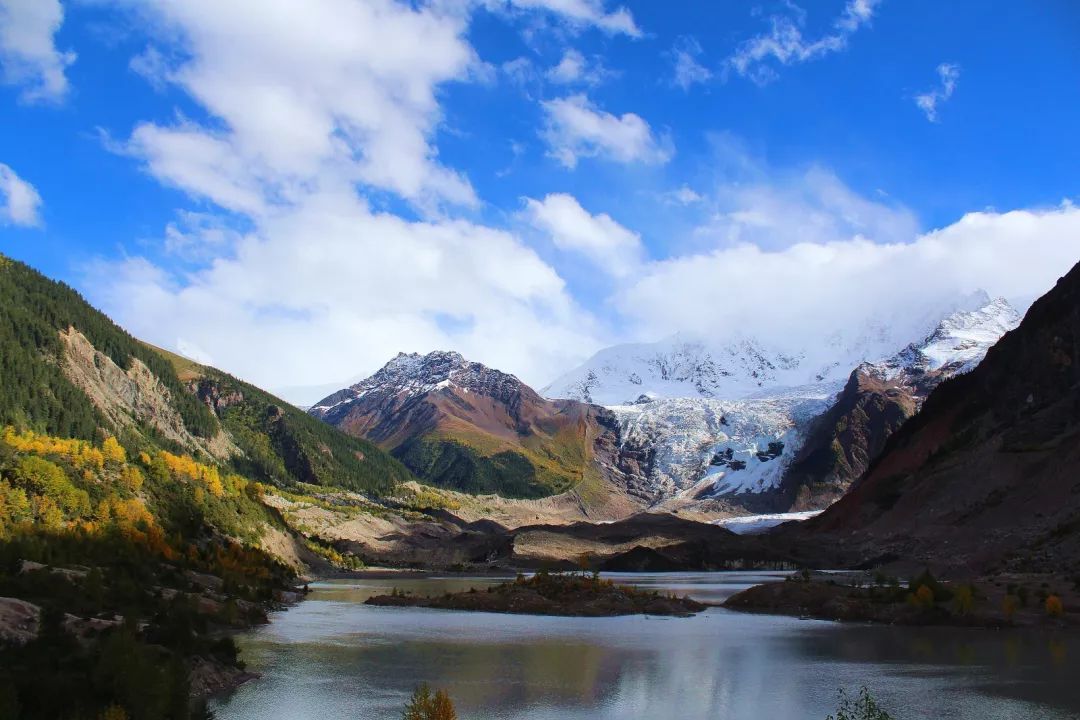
[
  {"x": 34, "y": 392},
  {"x": 284, "y": 445},
  {"x": 280, "y": 443},
  {"x": 132, "y": 513}
]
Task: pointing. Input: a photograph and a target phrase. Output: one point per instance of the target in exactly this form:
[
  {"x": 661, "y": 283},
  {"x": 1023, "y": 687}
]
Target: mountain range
[
  {"x": 136, "y": 482},
  {"x": 733, "y": 428},
  {"x": 467, "y": 427}
]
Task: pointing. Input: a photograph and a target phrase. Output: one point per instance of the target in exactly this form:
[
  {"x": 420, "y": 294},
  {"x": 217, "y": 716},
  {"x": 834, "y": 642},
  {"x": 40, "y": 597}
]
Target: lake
[{"x": 333, "y": 657}]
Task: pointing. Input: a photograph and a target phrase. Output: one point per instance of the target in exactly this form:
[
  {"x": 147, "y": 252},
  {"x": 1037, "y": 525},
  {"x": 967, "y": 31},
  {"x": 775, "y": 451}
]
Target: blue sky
[{"x": 296, "y": 191}]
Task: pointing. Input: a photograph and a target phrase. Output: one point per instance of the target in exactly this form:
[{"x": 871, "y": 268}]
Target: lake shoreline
[{"x": 983, "y": 603}]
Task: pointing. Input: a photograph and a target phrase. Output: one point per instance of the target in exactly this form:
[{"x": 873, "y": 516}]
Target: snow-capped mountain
[
  {"x": 413, "y": 375},
  {"x": 725, "y": 419},
  {"x": 463, "y": 425},
  {"x": 957, "y": 344},
  {"x": 685, "y": 366}
]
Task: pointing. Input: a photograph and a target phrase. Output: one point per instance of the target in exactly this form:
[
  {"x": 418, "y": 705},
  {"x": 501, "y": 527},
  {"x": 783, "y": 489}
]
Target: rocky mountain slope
[
  {"x": 738, "y": 427},
  {"x": 879, "y": 397},
  {"x": 461, "y": 425},
  {"x": 69, "y": 371},
  {"x": 986, "y": 475}
]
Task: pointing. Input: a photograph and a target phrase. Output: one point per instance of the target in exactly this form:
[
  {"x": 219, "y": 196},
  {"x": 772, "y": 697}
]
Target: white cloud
[
  {"x": 152, "y": 66},
  {"x": 311, "y": 106},
  {"x": 330, "y": 290},
  {"x": 928, "y": 102},
  {"x": 803, "y": 293},
  {"x": 610, "y": 246},
  {"x": 579, "y": 13},
  {"x": 575, "y": 68},
  {"x": 684, "y": 195},
  {"x": 520, "y": 70},
  {"x": 29, "y": 57},
  {"x": 784, "y": 44},
  {"x": 688, "y": 71},
  {"x": 19, "y": 200},
  {"x": 340, "y": 88},
  {"x": 197, "y": 236},
  {"x": 576, "y": 128},
  {"x": 813, "y": 206}
]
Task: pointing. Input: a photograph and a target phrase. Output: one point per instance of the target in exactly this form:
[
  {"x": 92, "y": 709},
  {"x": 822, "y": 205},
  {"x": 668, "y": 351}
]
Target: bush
[
  {"x": 425, "y": 706},
  {"x": 923, "y": 598},
  {"x": 964, "y": 600},
  {"x": 862, "y": 707},
  {"x": 1009, "y": 606},
  {"x": 1054, "y": 607}
]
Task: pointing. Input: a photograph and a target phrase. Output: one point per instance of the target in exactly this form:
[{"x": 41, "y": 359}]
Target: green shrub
[{"x": 861, "y": 707}]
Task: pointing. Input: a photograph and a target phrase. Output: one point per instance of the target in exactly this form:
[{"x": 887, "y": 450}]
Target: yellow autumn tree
[
  {"x": 114, "y": 452},
  {"x": 425, "y": 706},
  {"x": 132, "y": 478}
]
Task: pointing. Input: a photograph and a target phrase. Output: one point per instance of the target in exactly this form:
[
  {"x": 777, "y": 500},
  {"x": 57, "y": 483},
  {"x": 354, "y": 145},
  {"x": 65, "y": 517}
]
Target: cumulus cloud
[
  {"x": 339, "y": 87},
  {"x": 800, "y": 294},
  {"x": 688, "y": 71},
  {"x": 310, "y": 109},
  {"x": 29, "y": 57},
  {"x": 19, "y": 200},
  {"x": 785, "y": 44},
  {"x": 928, "y": 102},
  {"x": 610, "y": 246},
  {"x": 579, "y": 14},
  {"x": 576, "y": 128},
  {"x": 331, "y": 290}
]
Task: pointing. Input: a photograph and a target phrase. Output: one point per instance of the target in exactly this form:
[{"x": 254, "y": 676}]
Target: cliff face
[
  {"x": 879, "y": 397},
  {"x": 987, "y": 475},
  {"x": 842, "y": 442}
]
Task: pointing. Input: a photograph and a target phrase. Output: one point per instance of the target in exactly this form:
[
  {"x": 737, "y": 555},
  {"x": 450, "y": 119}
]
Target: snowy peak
[
  {"x": 954, "y": 337},
  {"x": 414, "y": 374},
  {"x": 963, "y": 338},
  {"x": 680, "y": 366},
  {"x": 956, "y": 345}
]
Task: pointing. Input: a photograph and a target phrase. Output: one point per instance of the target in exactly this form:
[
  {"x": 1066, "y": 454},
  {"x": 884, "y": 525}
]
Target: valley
[{"x": 221, "y": 502}]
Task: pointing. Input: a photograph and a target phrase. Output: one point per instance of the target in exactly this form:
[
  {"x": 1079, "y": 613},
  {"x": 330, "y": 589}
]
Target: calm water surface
[{"x": 333, "y": 657}]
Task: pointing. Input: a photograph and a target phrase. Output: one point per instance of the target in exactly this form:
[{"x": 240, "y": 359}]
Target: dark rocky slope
[{"x": 987, "y": 476}]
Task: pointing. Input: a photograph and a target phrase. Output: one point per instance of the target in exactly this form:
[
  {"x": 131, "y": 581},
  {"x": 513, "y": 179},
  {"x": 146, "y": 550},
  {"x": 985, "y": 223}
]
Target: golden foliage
[
  {"x": 132, "y": 478},
  {"x": 425, "y": 706},
  {"x": 113, "y": 451},
  {"x": 187, "y": 467},
  {"x": 1054, "y": 608},
  {"x": 113, "y": 712}
]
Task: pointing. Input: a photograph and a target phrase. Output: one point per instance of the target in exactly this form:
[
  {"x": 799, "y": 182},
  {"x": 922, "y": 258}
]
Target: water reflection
[{"x": 333, "y": 657}]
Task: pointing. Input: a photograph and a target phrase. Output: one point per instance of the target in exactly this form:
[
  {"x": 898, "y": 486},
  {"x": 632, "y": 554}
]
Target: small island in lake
[{"x": 570, "y": 594}]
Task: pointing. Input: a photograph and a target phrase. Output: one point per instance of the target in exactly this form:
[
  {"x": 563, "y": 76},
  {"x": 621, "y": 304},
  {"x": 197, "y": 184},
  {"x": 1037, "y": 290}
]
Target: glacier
[{"x": 724, "y": 417}]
